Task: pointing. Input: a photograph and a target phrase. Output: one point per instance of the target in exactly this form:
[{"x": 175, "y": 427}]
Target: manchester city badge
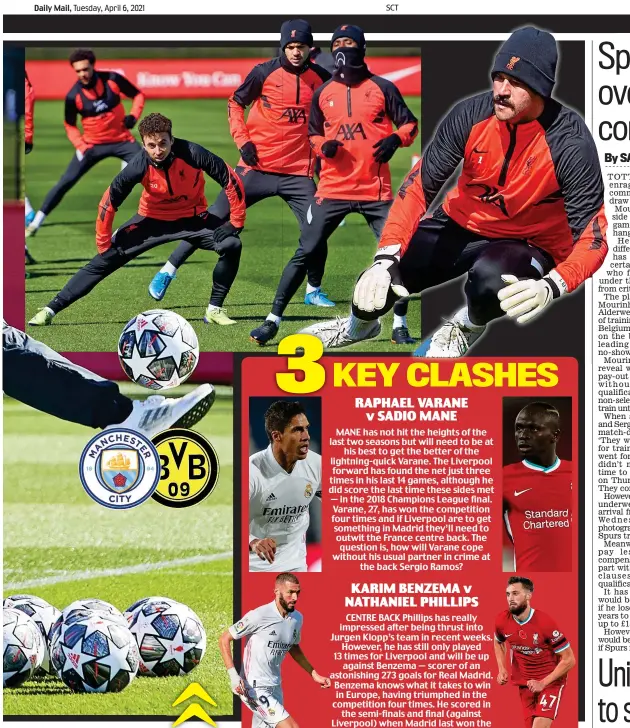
[{"x": 119, "y": 468}]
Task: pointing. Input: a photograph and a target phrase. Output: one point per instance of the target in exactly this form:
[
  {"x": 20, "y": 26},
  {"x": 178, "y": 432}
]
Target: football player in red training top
[
  {"x": 172, "y": 207},
  {"x": 276, "y": 158},
  {"x": 537, "y": 494},
  {"x": 351, "y": 128},
  {"x": 541, "y": 654},
  {"x": 95, "y": 97},
  {"x": 525, "y": 222},
  {"x": 29, "y": 108}
]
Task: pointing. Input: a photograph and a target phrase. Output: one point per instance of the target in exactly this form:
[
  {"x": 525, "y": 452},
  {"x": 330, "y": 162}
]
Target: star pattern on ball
[
  {"x": 176, "y": 648},
  {"x": 139, "y": 364},
  {"x": 176, "y": 345}
]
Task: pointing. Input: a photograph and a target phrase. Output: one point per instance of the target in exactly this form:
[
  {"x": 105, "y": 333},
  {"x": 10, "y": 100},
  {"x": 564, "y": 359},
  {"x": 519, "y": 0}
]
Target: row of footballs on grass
[{"x": 93, "y": 647}]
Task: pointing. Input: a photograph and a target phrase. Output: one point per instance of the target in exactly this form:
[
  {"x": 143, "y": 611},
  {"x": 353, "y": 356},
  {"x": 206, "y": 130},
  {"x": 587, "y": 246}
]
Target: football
[
  {"x": 43, "y": 614},
  {"x": 170, "y": 637},
  {"x": 149, "y": 605},
  {"x": 22, "y": 647},
  {"x": 95, "y": 654},
  {"x": 83, "y": 608},
  {"x": 158, "y": 349}
]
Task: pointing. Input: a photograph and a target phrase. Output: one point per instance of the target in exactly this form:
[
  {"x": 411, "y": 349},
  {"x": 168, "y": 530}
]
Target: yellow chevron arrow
[
  {"x": 194, "y": 710},
  {"x": 194, "y": 690}
]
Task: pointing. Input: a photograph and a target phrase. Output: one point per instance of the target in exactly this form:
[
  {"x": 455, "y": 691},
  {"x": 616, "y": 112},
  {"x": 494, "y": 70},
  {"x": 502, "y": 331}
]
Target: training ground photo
[{"x": 190, "y": 86}]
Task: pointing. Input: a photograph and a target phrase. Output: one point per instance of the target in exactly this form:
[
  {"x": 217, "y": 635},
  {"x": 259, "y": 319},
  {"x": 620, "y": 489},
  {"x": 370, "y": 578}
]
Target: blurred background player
[
  {"x": 350, "y": 128},
  {"x": 96, "y": 98},
  {"x": 540, "y": 483},
  {"x": 41, "y": 378},
  {"x": 272, "y": 631},
  {"x": 541, "y": 654},
  {"x": 172, "y": 207},
  {"x": 283, "y": 482},
  {"x": 276, "y": 159},
  {"x": 525, "y": 223},
  {"x": 29, "y": 127}
]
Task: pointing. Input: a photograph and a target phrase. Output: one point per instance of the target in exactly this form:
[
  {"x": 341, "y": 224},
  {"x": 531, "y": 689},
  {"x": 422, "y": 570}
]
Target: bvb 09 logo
[{"x": 119, "y": 468}]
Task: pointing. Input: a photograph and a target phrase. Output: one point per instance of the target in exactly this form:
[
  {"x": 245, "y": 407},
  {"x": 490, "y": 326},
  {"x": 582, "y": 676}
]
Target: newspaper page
[{"x": 315, "y": 367}]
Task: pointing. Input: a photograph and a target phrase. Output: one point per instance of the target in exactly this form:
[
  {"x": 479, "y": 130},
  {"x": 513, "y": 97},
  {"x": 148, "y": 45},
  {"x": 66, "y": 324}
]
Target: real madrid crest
[{"x": 308, "y": 491}]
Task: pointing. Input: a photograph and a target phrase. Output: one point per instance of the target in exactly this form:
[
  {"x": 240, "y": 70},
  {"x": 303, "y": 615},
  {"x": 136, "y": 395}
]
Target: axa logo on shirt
[
  {"x": 100, "y": 106},
  {"x": 294, "y": 116},
  {"x": 348, "y": 132}
]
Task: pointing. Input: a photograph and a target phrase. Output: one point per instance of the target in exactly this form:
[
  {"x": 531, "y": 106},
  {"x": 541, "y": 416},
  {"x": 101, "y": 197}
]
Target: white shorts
[{"x": 266, "y": 705}]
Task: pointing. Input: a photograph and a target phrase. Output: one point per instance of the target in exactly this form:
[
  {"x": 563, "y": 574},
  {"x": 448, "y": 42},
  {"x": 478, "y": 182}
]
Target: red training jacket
[
  {"x": 540, "y": 181},
  {"x": 171, "y": 192}
]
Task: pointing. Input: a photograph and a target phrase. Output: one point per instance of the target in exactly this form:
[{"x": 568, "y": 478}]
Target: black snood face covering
[{"x": 350, "y": 65}]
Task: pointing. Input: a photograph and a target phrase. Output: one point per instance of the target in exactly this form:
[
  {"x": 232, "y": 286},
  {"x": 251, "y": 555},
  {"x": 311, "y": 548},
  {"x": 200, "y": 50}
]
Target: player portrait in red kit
[
  {"x": 541, "y": 655},
  {"x": 538, "y": 488}
]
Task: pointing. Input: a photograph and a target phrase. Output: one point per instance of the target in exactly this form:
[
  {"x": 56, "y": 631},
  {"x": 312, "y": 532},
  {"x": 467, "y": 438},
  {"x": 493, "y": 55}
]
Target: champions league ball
[
  {"x": 80, "y": 609},
  {"x": 95, "y": 654},
  {"x": 170, "y": 637},
  {"x": 158, "y": 349},
  {"x": 43, "y": 614},
  {"x": 22, "y": 647},
  {"x": 149, "y": 605}
]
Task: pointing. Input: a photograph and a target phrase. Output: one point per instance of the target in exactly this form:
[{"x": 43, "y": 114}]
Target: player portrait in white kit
[
  {"x": 272, "y": 631},
  {"x": 284, "y": 480}
]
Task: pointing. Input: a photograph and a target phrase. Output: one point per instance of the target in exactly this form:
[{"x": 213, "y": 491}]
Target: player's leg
[
  {"x": 127, "y": 242},
  {"x": 484, "y": 262},
  {"x": 375, "y": 214},
  {"x": 38, "y": 376},
  {"x": 126, "y": 151},
  {"x": 198, "y": 231},
  {"x": 322, "y": 218},
  {"x": 256, "y": 185},
  {"x": 299, "y": 194},
  {"x": 79, "y": 165},
  {"x": 428, "y": 261},
  {"x": 266, "y": 705}
]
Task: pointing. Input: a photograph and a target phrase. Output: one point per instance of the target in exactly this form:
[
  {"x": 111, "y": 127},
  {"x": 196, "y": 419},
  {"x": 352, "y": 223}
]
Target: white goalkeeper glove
[
  {"x": 372, "y": 289},
  {"x": 526, "y": 299},
  {"x": 236, "y": 682}
]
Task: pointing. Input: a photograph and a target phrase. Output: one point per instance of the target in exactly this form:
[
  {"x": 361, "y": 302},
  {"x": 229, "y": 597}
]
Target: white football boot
[
  {"x": 335, "y": 333},
  {"x": 156, "y": 413},
  {"x": 452, "y": 340}
]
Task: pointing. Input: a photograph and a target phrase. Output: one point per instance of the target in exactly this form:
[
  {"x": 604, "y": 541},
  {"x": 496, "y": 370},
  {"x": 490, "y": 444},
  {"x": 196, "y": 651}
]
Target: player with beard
[
  {"x": 538, "y": 494},
  {"x": 283, "y": 480},
  {"x": 276, "y": 159},
  {"x": 272, "y": 632},
  {"x": 525, "y": 222},
  {"x": 351, "y": 129},
  {"x": 541, "y": 654},
  {"x": 96, "y": 98},
  {"x": 172, "y": 207}
]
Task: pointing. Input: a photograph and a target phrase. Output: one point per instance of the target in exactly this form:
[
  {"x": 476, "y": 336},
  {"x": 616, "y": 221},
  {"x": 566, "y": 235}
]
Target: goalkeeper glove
[
  {"x": 129, "y": 121},
  {"x": 28, "y": 147},
  {"x": 249, "y": 154},
  {"x": 385, "y": 148},
  {"x": 329, "y": 148},
  {"x": 526, "y": 299},
  {"x": 380, "y": 285}
]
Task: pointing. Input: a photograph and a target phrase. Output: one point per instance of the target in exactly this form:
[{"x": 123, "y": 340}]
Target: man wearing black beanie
[
  {"x": 357, "y": 122},
  {"x": 276, "y": 158},
  {"x": 525, "y": 222}
]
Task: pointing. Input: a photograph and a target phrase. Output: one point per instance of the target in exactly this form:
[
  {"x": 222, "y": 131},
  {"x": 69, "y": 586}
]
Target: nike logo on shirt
[{"x": 520, "y": 492}]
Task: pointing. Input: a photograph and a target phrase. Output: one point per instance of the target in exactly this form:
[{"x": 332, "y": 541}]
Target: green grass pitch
[
  {"x": 62, "y": 546},
  {"x": 66, "y": 242}
]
